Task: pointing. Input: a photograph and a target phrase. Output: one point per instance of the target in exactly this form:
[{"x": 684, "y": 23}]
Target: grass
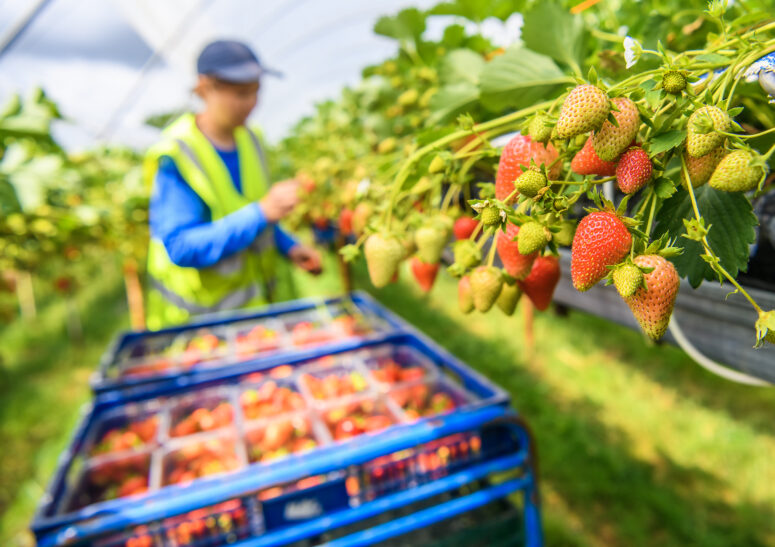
[{"x": 637, "y": 445}]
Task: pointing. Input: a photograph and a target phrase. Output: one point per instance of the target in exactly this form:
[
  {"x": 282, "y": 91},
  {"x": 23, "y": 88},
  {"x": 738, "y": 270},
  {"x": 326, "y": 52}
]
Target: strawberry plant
[{"x": 680, "y": 125}]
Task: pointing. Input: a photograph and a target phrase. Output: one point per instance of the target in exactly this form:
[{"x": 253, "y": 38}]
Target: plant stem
[
  {"x": 491, "y": 253},
  {"x": 485, "y": 237},
  {"x": 718, "y": 267},
  {"x": 654, "y": 200},
  {"x": 476, "y": 231},
  {"x": 453, "y": 189}
]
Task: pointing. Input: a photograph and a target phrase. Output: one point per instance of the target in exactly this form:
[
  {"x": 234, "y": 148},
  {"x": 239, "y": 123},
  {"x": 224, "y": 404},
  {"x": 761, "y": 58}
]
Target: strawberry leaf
[
  {"x": 519, "y": 78},
  {"x": 664, "y": 188},
  {"x": 666, "y": 141},
  {"x": 551, "y": 30},
  {"x": 732, "y": 223}
]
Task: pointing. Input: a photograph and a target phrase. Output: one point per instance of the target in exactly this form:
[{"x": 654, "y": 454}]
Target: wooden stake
[{"x": 134, "y": 295}]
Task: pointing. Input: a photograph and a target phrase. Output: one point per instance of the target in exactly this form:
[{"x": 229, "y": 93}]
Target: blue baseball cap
[{"x": 231, "y": 61}]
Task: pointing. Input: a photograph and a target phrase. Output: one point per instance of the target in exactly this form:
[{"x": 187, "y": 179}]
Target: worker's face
[{"x": 229, "y": 104}]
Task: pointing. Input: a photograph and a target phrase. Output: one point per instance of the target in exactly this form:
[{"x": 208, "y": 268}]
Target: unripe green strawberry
[
  {"x": 700, "y": 169},
  {"x": 490, "y": 215},
  {"x": 437, "y": 165},
  {"x": 709, "y": 119},
  {"x": 565, "y": 236},
  {"x": 601, "y": 240},
  {"x": 531, "y": 238},
  {"x": 430, "y": 240},
  {"x": 465, "y": 297},
  {"x": 628, "y": 278},
  {"x": 467, "y": 254},
  {"x": 734, "y": 173},
  {"x": 585, "y": 109},
  {"x": 408, "y": 97},
  {"x": 508, "y": 298},
  {"x": 531, "y": 182},
  {"x": 673, "y": 82},
  {"x": 383, "y": 254},
  {"x": 387, "y": 145},
  {"x": 486, "y": 285},
  {"x": 610, "y": 141},
  {"x": 652, "y": 306},
  {"x": 538, "y": 129}
]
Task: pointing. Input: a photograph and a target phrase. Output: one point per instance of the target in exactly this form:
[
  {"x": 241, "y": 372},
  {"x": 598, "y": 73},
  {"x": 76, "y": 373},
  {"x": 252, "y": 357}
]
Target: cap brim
[{"x": 244, "y": 73}]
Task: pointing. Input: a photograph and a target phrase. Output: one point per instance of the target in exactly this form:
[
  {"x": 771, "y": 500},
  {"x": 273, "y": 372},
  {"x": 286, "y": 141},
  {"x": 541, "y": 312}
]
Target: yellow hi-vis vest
[{"x": 176, "y": 293}]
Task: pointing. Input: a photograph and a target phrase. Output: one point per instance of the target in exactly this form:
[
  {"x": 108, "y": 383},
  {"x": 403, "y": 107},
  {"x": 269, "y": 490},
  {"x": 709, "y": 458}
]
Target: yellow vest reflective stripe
[{"x": 246, "y": 278}]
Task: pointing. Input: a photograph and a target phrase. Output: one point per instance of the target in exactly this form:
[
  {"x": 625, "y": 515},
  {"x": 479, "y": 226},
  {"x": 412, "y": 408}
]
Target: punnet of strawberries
[{"x": 641, "y": 152}]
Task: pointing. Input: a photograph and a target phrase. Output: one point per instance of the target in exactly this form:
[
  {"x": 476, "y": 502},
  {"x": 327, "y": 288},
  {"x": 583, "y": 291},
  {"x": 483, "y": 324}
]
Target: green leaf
[
  {"x": 461, "y": 65},
  {"x": 731, "y": 220},
  {"x": 451, "y": 100},
  {"x": 479, "y": 10},
  {"x": 453, "y": 36},
  {"x": 519, "y": 78},
  {"x": 664, "y": 188},
  {"x": 666, "y": 141},
  {"x": 554, "y": 31},
  {"x": 408, "y": 24}
]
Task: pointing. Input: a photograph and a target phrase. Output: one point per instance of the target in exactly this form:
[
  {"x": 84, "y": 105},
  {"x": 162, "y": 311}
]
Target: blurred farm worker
[{"x": 215, "y": 242}]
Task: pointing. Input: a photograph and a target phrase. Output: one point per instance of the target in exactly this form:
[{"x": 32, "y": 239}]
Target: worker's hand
[
  {"x": 280, "y": 200},
  {"x": 306, "y": 258}
]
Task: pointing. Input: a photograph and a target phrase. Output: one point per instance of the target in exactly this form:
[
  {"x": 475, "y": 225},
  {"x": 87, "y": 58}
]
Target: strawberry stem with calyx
[{"x": 716, "y": 264}]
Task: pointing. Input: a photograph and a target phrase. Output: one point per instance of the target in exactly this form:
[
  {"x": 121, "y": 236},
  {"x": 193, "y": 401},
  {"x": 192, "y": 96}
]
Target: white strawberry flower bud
[{"x": 632, "y": 51}]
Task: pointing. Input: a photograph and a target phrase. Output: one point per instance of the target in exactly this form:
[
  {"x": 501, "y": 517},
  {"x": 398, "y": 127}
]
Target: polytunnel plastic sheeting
[{"x": 92, "y": 56}]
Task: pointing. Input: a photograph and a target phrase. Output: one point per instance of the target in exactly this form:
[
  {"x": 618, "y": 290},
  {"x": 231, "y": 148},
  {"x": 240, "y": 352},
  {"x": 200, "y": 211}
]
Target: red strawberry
[
  {"x": 586, "y": 162},
  {"x": 516, "y": 157},
  {"x": 539, "y": 285},
  {"x": 464, "y": 227},
  {"x": 424, "y": 273},
  {"x": 601, "y": 240},
  {"x": 516, "y": 264},
  {"x": 633, "y": 170},
  {"x": 346, "y": 221},
  {"x": 652, "y": 306}
]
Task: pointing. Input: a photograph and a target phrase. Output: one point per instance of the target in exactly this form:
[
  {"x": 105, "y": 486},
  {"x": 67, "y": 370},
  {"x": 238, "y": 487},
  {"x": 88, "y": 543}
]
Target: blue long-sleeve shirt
[{"x": 182, "y": 221}]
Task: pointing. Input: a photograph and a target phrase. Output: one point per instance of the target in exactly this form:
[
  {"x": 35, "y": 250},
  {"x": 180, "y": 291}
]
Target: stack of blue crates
[{"x": 314, "y": 422}]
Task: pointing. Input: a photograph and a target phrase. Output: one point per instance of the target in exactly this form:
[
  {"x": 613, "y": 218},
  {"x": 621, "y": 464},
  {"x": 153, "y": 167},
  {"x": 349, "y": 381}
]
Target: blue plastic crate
[
  {"x": 138, "y": 361},
  {"x": 293, "y": 498}
]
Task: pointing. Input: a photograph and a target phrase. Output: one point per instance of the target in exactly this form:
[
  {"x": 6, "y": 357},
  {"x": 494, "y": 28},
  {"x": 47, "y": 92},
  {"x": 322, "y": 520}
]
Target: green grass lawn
[{"x": 637, "y": 445}]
